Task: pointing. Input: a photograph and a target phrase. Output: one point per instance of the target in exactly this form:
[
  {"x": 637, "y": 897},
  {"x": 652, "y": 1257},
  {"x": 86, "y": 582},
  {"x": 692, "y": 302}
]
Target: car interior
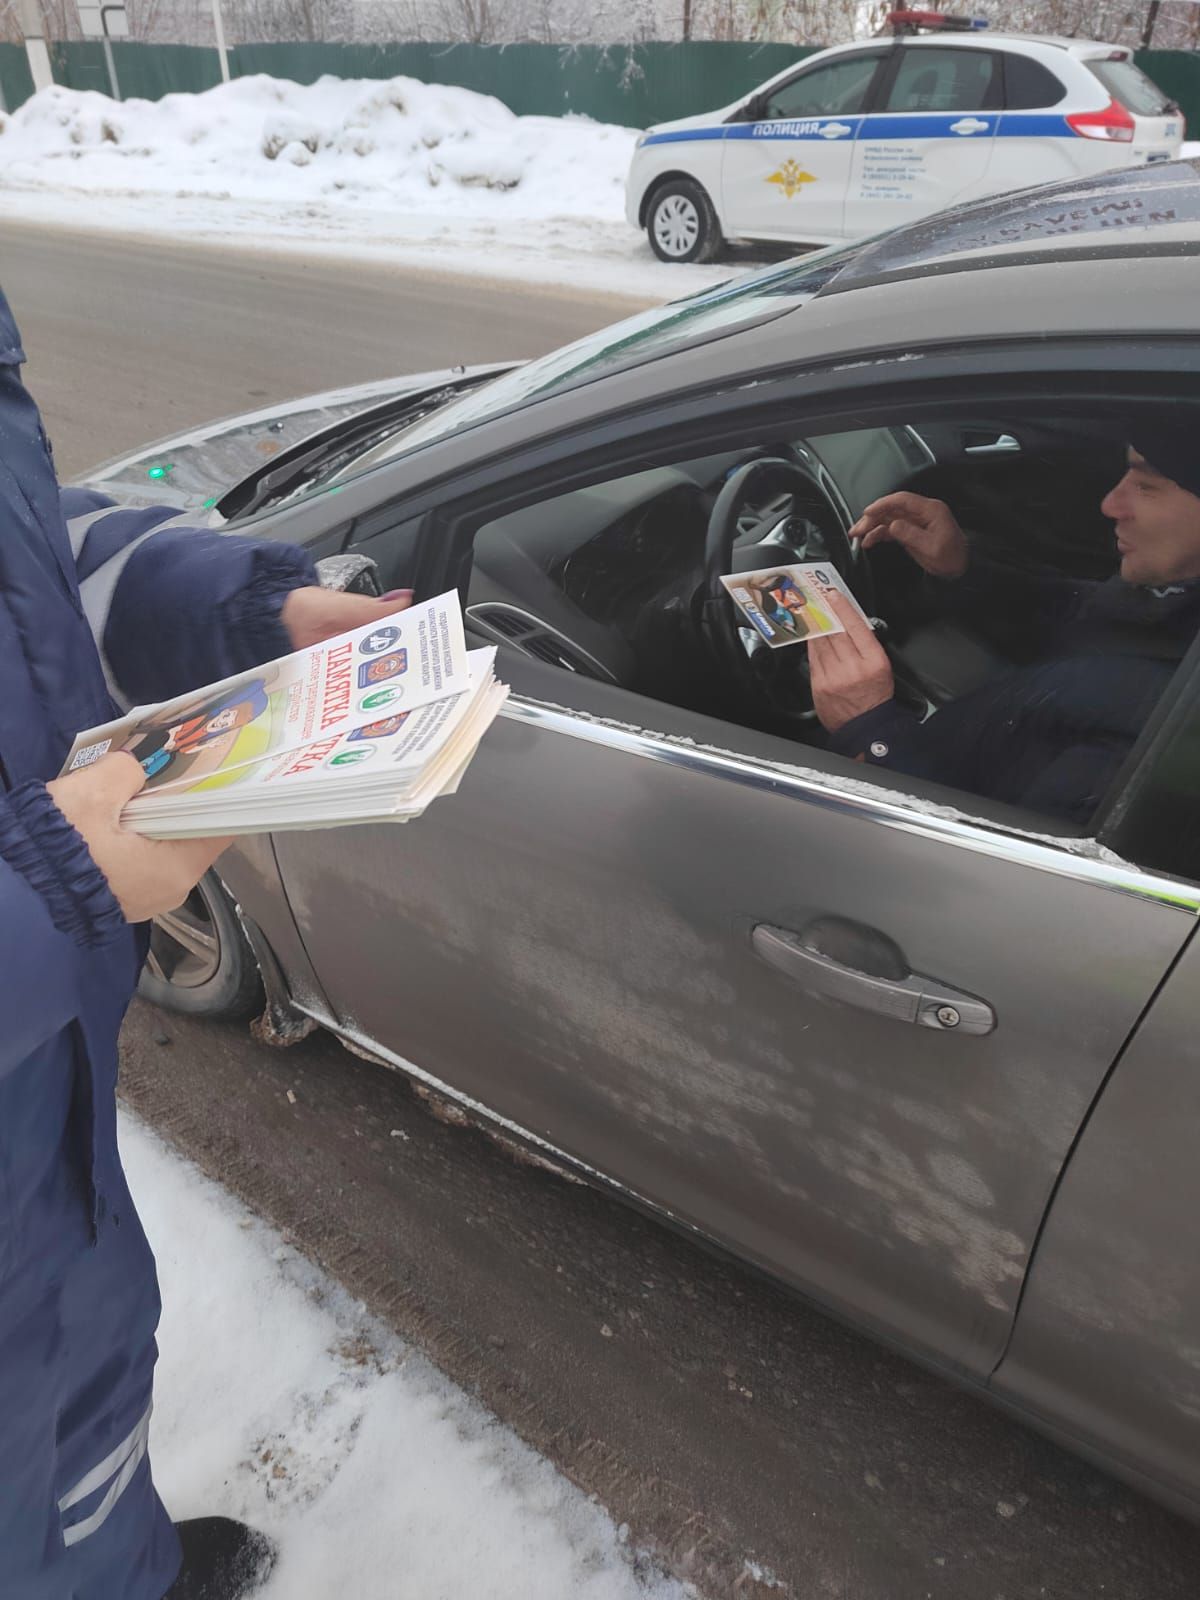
[{"x": 620, "y": 580}]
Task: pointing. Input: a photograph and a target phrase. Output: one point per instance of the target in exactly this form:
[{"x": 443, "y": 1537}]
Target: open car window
[{"x": 1027, "y": 680}]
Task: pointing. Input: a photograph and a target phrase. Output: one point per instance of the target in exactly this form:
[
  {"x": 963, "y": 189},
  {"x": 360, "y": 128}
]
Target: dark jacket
[
  {"x": 1050, "y": 736},
  {"x": 133, "y": 605}
]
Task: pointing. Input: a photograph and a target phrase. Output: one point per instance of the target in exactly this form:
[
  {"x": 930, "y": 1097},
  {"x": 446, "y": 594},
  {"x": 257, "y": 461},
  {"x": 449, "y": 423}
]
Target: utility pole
[
  {"x": 34, "y": 29},
  {"x": 219, "y": 28},
  {"x": 105, "y": 20},
  {"x": 687, "y": 19},
  {"x": 1151, "y": 19}
]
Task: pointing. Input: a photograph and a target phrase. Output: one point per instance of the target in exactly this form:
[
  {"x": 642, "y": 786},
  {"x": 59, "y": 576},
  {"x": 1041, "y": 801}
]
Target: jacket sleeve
[
  {"x": 173, "y": 606},
  {"x": 54, "y": 904},
  {"x": 1021, "y": 612}
]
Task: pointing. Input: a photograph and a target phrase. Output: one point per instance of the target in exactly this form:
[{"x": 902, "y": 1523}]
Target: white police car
[{"x": 865, "y": 136}]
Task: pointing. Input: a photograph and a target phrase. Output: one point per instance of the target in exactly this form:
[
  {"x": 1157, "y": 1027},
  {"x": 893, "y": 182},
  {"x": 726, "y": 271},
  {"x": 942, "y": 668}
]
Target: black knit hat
[{"x": 1171, "y": 448}]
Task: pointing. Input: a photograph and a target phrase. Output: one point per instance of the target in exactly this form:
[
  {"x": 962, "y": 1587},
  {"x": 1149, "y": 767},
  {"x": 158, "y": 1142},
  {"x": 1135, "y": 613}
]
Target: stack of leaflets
[{"x": 368, "y": 727}]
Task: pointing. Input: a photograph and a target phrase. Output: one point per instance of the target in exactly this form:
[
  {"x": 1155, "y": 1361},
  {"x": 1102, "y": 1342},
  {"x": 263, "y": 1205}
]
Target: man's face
[{"x": 1158, "y": 526}]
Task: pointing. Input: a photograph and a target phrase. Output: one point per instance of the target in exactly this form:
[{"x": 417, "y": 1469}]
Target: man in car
[{"x": 1050, "y": 736}]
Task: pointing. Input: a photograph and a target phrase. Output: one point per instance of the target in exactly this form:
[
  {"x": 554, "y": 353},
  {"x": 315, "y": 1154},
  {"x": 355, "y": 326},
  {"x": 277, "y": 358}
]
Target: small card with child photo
[{"x": 787, "y": 605}]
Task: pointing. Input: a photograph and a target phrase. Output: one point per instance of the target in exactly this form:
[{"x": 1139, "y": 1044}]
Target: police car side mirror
[{"x": 751, "y": 111}]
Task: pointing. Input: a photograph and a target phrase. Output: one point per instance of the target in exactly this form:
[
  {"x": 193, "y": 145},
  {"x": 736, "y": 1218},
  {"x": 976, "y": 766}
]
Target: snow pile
[
  {"x": 1191, "y": 150},
  {"x": 280, "y": 1402},
  {"x": 396, "y": 143}
]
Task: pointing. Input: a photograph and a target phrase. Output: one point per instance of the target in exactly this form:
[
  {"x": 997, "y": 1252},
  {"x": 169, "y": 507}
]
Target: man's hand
[
  {"x": 925, "y": 528},
  {"x": 145, "y": 875},
  {"x": 850, "y": 671},
  {"x": 313, "y": 614}
]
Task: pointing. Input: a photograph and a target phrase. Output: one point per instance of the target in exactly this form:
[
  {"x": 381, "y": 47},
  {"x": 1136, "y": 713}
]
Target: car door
[
  {"x": 1105, "y": 1345},
  {"x": 930, "y": 141},
  {"x": 786, "y": 165},
  {"x": 848, "y": 1032}
]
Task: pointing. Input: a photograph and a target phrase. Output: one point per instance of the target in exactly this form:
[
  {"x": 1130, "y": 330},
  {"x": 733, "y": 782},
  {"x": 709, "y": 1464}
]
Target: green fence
[{"x": 633, "y": 85}]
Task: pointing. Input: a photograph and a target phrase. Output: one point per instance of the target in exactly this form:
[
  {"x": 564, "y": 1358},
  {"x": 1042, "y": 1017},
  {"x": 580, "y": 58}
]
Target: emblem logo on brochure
[{"x": 787, "y": 605}]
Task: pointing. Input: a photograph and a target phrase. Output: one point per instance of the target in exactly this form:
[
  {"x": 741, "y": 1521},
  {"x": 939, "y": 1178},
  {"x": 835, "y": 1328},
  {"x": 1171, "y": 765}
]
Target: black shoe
[{"x": 222, "y": 1560}]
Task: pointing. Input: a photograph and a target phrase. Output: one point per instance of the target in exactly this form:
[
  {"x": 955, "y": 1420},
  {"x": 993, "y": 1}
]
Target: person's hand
[
  {"x": 925, "y": 528},
  {"x": 312, "y": 614},
  {"x": 146, "y": 876},
  {"x": 850, "y": 671}
]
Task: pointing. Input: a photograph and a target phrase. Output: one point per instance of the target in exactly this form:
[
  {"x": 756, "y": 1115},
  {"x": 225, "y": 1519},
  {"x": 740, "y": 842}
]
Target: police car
[{"x": 867, "y": 136}]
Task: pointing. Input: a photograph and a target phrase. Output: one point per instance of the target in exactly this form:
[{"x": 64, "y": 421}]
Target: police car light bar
[{"x": 901, "y": 22}]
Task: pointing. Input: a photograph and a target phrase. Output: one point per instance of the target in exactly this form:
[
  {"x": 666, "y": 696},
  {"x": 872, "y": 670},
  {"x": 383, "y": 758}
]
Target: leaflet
[
  {"x": 315, "y": 695},
  {"x": 789, "y": 604},
  {"x": 368, "y": 727}
]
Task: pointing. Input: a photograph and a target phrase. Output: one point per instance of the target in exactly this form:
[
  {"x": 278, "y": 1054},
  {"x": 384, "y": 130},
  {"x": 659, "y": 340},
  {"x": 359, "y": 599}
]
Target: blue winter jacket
[
  {"x": 1050, "y": 735},
  {"x": 96, "y": 603}
]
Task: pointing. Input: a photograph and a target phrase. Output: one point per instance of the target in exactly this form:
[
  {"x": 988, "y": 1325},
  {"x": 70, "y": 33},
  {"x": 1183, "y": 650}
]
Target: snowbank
[
  {"x": 280, "y": 1402},
  {"x": 395, "y": 169},
  {"x": 411, "y": 145}
]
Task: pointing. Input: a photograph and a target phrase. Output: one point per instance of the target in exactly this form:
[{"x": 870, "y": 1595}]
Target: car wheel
[
  {"x": 682, "y": 224},
  {"x": 200, "y": 961}
]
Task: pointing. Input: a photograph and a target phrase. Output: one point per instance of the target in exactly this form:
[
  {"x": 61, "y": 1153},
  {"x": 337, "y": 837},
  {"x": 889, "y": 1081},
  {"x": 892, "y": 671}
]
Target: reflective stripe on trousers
[{"x": 119, "y": 1465}]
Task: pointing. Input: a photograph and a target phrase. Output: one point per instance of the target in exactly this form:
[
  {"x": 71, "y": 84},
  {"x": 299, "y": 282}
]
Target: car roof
[
  {"x": 983, "y": 39},
  {"x": 1139, "y": 207}
]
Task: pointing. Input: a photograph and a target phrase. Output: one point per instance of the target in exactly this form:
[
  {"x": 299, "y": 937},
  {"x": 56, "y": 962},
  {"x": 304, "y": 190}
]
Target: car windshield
[{"x": 758, "y": 297}]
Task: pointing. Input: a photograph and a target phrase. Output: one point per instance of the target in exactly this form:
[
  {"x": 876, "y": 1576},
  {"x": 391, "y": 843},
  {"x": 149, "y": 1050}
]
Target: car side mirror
[{"x": 353, "y": 574}]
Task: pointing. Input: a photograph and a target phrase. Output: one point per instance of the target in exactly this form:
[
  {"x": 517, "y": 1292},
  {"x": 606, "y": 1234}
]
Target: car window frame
[
  {"x": 755, "y": 106},
  {"x": 632, "y": 448},
  {"x": 884, "y": 88}
]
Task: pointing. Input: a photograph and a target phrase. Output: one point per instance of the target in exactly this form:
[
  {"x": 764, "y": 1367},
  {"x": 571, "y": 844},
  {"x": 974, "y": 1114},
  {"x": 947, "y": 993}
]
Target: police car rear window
[{"x": 1130, "y": 87}]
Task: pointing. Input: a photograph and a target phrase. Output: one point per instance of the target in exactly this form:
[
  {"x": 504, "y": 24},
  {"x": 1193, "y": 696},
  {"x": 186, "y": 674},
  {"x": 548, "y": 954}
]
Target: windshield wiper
[{"x": 321, "y": 452}]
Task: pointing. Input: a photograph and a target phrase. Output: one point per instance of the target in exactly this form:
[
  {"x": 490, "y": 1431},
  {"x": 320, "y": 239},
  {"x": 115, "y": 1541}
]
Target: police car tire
[
  {"x": 708, "y": 238},
  {"x": 234, "y": 990}
]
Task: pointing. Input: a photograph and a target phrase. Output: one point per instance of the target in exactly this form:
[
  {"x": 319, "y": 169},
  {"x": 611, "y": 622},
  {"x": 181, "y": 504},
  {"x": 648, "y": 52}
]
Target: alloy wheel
[{"x": 185, "y": 947}]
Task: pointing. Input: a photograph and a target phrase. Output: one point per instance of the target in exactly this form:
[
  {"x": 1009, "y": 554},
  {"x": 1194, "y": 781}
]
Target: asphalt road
[
  {"x": 726, "y": 1422},
  {"x": 129, "y": 340}
]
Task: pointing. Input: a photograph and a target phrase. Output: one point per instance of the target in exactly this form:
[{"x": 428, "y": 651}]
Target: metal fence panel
[{"x": 633, "y": 85}]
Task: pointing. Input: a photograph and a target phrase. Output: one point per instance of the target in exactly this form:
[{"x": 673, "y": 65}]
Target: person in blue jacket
[
  {"x": 1050, "y": 735},
  {"x": 99, "y": 606}
]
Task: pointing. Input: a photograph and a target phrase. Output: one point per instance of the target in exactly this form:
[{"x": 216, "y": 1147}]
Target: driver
[{"x": 1050, "y": 736}]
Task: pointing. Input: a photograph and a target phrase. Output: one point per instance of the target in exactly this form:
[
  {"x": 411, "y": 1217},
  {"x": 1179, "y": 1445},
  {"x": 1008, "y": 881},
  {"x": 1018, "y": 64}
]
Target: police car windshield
[{"x": 759, "y": 297}]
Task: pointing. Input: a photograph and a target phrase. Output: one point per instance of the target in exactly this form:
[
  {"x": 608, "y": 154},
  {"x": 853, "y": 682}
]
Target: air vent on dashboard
[{"x": 511, "y": 625}]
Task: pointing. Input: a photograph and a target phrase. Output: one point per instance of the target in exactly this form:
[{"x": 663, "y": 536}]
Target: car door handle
[
  {"x": 909, "y": 998},
  {"x": 1004, "y": 445}
]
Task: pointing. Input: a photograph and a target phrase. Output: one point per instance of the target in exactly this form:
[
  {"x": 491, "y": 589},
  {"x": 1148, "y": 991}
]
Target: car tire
[
  {"x": 200, "y": 960},
  {"x": 681, "y": 223}
]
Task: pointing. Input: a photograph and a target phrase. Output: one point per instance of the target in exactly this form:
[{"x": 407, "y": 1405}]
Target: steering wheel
[{"x": 810, "y": 528}]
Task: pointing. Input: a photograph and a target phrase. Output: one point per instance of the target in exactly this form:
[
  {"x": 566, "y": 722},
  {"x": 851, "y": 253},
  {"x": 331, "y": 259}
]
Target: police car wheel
[
  {"x": 200, "y": 961},
  {"x": 681, "y": 223}
]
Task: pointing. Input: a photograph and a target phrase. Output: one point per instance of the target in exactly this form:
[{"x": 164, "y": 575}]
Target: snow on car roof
[{"x": 1123, "y": 207}]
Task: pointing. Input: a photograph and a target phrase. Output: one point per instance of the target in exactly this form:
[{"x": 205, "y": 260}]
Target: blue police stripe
[
  {"x": 684, "y": 136},
  {"x": 893, "y": 127},
  {"x": 918, "y": 126},
  {"x": 1035, "y": 125}
]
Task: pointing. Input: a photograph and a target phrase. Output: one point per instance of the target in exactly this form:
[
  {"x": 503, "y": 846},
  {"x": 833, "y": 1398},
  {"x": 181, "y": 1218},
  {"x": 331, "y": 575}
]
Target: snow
[
  {"x": 1191, "y": 150},
  {"x": 281, "y": 1402},
  {"x": 395, "y": 170}
]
